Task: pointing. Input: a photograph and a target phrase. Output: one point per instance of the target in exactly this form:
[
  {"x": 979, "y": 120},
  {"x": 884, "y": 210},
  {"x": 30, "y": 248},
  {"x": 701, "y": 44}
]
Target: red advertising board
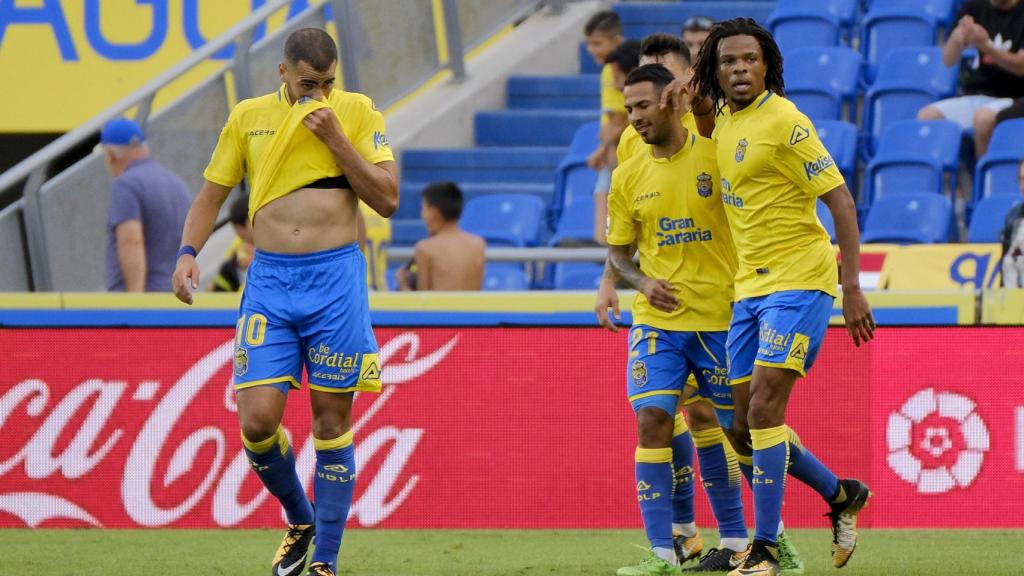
[{"x": 486, "y": 428}]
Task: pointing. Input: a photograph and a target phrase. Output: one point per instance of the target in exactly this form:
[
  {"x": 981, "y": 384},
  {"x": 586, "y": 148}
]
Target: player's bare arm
[
  {"x": 375, "y": 184},
  {"x": 856, "y": 310},
  {"x": 607, "y": 298},
  {"x": 659, "y": 293},
  {"x": 199, "y": 223}
]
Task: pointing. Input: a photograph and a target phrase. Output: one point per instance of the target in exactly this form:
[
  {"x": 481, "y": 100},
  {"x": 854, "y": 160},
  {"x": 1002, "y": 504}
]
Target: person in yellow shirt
[
  {"x": 700, "y": 426},
  {"x": 311, "y": 153},
  {"x": 666, "y": 201},
  {"x": 603, "y": 33},
  {"x": 773, "y": 170}
]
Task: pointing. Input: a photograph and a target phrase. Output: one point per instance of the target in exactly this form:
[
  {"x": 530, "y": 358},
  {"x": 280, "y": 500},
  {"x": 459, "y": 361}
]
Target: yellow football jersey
[
  {"x": 631, "y": 144},
  {"x": 248, "y": 137},
  {"x": 378, "y": 238},
  {"x": 773, "y": 168},
  {"x": 672, "y": 209},
  {"x": 611, "y": 97}
]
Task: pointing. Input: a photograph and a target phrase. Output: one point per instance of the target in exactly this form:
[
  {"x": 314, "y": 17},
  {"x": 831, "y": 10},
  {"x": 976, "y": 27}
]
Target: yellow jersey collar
[
  {"x": 691, "y": 141},
  {"x": 757, "y": 103}
]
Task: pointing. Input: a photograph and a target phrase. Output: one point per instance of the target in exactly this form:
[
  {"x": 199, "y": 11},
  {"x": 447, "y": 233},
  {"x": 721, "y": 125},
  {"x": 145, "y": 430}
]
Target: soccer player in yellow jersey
[
  {"x": 700, "y": 427},
  {"x": 310, "y": 153},
  {"x": 665, "y": 201},
  {"x": 774, "y": 169}
]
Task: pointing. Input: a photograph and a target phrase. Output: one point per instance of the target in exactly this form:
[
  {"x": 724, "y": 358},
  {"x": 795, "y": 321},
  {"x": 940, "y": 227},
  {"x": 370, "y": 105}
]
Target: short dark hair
[
  {"x": 446, "y": 197},
  {"x": 656, "y": 74},
  {"x": 705, "y": 76},
  {"x": 660, "y": 44},
  {"x": 238, "y": 212},
  {"x": 312, "y": 46},
  {"x": 604, "y": 21},
  {"x": 626, "y": 56}
]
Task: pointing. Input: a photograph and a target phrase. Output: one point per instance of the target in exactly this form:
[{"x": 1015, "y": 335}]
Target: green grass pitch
[{"x": 367, "y": 552}]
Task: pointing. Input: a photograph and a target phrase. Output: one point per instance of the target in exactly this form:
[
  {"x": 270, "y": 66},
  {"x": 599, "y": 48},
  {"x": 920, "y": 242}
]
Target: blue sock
[
  {"x": 333, "y": 485},
  {"x": 274, "y": 462},
  {"x": 720, "y": 473},
  {"x": 771, "y": 453},
  {"x": 682, "y": 466},
  {"x": 806, "y": 468},
  {"x": 653, "y": 492}
]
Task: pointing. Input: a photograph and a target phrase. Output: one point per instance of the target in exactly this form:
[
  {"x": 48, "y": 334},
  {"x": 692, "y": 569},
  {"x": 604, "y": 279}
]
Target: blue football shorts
[
  {"x": 661, "y": 362},
  {"x": 781, "y": 330},
  {"x": 307, "y": 310}
]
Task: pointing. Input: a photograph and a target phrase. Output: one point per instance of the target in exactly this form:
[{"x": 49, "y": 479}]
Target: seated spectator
[
  {"x": 148, "y": 205},
  {"x": 603, "y": 33},
  {"x": 450, "y": 259},
  {"x": 995, "y": 78},
  {"x": 1012, "y": 238},
  {"x": 695, "y": 31},
  {"x": 231, "y": 275}
]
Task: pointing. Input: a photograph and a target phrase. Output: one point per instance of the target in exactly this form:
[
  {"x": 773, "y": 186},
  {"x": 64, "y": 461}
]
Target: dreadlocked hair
[{"x": 705, "y": 77}]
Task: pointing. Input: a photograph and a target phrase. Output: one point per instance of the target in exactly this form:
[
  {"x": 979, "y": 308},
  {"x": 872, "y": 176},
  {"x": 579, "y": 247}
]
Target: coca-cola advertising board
[{"x": 487, "y": 428}]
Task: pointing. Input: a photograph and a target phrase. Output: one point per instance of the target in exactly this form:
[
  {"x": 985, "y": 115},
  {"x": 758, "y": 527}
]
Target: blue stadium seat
[
  {"x": 913, "y": 156},
  {"x": 912, "y": 218},
  {"x": 408, "y": 231},
  {"x": 989, "y": 216},
  {"x": 820, "y": 79},
  {"x": 493, "y": 164},
  {"x": 582, "y": 92},
  {"x": 410, "y": 197},
  {"x": 576, "y": 224},
  {"x": 505, "y": 219},
  {"x": 574, "y": 177},
  {"x": 997, "y": 170},
  {"x": 799, "y": 23},
  {"x": 825, "y": 217},
  {"x": 642, "y": 18},
  {"x": 892, "y": 25},
  {"x": 840, "y": 139},
  {"x": 530, "y": 127},
  {"x": 942, "y": 10},
  {"x": 504, "y": 276},
  {"x": 908, "y": 80},
  {"x": 577, "y": 275},
  {"x": 587, "y": 65}
]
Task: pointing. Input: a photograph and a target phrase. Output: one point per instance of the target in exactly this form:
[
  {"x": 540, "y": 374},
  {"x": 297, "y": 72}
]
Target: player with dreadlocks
[{"x": 774, "y": 169}]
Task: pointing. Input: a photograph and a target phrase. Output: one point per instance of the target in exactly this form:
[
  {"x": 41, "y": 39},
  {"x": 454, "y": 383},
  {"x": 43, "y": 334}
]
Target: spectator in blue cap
[{"x": 148, "y": 204}]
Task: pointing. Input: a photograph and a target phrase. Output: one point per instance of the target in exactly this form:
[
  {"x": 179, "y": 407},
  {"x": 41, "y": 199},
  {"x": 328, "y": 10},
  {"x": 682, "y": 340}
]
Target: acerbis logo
[{"x": 937, "y": 441}]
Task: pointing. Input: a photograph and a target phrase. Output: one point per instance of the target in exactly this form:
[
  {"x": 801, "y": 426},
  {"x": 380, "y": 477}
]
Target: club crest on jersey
[
  {"x": 639, "y": 371},
  {"x": 741, "y": 150},
  {"x": 704, "y": 185},
  {"x": 241, "y": 361},
  {"x": 799, "y": 135}
]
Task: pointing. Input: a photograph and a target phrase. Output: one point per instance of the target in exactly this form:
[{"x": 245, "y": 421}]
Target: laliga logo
[{"x": 922, "y": 437}]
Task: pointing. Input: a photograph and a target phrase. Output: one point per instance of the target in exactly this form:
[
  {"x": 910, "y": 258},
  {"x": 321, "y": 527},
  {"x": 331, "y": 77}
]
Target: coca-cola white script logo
[{"x": 224, "y": 476}]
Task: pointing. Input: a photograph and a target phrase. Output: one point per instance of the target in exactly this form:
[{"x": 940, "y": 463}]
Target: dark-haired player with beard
[
  {"x": 774, "y": 168},
  {"x": 666, "y": 201}
]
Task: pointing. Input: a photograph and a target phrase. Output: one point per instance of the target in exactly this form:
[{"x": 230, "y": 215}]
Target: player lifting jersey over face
[{"x": 310, "y": 153}]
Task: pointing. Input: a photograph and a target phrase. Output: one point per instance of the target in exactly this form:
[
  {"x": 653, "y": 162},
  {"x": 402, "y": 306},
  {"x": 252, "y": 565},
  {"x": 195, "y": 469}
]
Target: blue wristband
[{"x": 186, "y": 249}]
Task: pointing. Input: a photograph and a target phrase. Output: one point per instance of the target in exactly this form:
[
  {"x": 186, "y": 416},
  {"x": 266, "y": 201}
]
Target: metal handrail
[{"x": 143, "y": 96}]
